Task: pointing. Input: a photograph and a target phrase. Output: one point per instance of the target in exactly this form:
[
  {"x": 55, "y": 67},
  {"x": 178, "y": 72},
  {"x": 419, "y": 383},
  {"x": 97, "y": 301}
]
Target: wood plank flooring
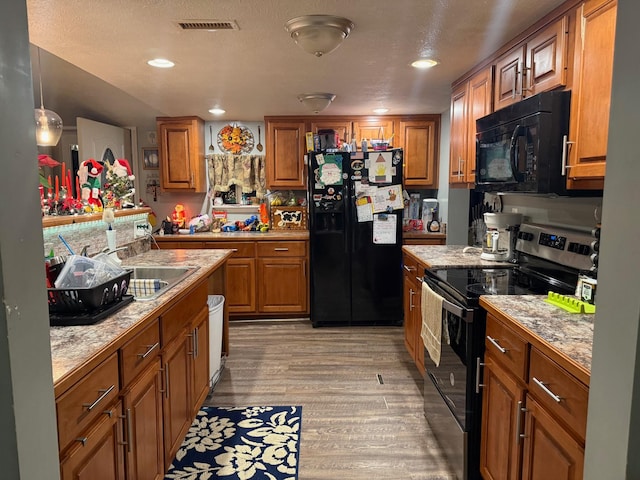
[{"x": 362, "y": 415}]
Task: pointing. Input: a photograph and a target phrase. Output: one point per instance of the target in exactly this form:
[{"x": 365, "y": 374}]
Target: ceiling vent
[{"x": 209, "y": 25}]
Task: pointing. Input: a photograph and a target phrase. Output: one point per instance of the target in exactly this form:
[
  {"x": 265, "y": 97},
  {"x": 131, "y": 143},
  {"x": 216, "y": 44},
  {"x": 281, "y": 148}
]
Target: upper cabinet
[
  {"x": 343, "y": 127},
  {"x": 469, "y": 101},
  {"x": 285, "y": 153},
  {"x": 379, "y": 128},
  {"x": 534, "y": 66},
  {"x": 591, "y": 95},
  {"x": 419, "y": 139},
  {"x": 181, "y": 142}
]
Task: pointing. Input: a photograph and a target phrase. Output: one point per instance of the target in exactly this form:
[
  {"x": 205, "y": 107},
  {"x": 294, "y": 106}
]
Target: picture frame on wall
[{"x": 150, "y": 158}]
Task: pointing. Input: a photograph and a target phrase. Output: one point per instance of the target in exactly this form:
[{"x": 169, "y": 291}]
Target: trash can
[{"x": 216, "y": 317}]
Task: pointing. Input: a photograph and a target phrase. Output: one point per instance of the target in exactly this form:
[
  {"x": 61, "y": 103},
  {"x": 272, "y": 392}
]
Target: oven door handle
[{"x": 458, "y": 311}]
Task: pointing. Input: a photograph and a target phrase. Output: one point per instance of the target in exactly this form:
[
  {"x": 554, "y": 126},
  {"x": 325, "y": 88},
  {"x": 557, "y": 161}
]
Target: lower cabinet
[
  {"x": 98, "y": 454},
  {"x": 533, "y": 411},
  {"x": 128, "y": 416},
  {"x": 412, "y": 296}
]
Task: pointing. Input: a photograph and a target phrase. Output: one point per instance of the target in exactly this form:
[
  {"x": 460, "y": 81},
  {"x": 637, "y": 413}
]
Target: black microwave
[{"x": 520, "y": 147}]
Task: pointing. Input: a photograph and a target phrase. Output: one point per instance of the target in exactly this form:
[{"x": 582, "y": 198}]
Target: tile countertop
[
  {"x": 567, "y": 334},
  {"x": 237, "y": 236},
  {"x": 72, "y": 347},
  {"x": 453, "y": 256}
]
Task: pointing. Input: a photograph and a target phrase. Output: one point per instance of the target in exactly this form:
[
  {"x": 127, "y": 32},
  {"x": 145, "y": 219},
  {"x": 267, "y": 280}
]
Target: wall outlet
[{"x": 141, "y": 228}]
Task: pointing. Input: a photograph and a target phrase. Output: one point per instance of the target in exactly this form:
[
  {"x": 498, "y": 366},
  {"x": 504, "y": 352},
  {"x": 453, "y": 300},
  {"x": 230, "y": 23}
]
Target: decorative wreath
[{"x": 235, "y": 139}]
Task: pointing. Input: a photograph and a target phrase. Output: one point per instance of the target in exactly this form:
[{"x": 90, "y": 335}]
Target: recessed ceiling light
[
  {"x": 424, "y": 63},
  {"x": 217, "y": 111},
  {"x": 380, "y": 111},
  {"x": 161, "y": 63}
]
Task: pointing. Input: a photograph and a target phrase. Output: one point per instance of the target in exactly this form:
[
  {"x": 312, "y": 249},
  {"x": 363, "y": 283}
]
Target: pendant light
[{"x": 48, "y": 122}]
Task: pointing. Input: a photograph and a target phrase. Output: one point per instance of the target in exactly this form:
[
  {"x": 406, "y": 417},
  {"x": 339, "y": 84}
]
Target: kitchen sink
[{"x": 149, "y": 282}]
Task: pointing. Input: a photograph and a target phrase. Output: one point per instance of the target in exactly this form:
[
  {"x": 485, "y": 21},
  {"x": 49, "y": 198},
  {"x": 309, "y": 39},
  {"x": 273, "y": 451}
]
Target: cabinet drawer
[
  {"x": 86, "y": 400},
  {"x": 138, "y": 352},
  {"x": 282, "y": 249},
  {"x": 410, "y": 266},
  {"x": 507, "y": 347},
  {"x": 559, "y": 392},
  {"x": 178, "y": 316},
  {"x": 240, "y": 249}
]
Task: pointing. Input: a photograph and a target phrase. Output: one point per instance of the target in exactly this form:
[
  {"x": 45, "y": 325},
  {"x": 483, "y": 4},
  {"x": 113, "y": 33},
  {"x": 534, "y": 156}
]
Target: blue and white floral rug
[{"x": 259, "y": 443}]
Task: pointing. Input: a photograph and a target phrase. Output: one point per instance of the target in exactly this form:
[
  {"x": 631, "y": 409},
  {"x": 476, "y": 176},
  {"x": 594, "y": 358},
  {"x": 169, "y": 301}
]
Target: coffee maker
[{"x": 501, "y": 235}]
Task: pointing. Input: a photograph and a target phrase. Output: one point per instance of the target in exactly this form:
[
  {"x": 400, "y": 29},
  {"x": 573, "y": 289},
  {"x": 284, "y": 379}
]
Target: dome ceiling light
[
  {"x": 319, "y": 34},
  {"x": 316, "y": 102}
]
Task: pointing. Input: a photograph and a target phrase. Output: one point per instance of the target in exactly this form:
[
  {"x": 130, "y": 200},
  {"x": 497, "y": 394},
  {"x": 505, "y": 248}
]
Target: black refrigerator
[{"x": 355, "y": 227}]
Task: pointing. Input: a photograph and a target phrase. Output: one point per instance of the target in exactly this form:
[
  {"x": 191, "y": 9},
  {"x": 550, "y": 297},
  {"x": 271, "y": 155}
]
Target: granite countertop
[
  {"x": 570, "y": 334},
  {"x": 72, "y": 347},
  {"x": 450, "y": 256},
  {"x": 237, "y": 236}
]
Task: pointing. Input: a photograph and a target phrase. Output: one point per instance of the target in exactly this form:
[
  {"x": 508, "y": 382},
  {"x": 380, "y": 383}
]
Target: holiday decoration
[
  {"x": 90, "y": 174},
  {"x": 118, "y": 187}
]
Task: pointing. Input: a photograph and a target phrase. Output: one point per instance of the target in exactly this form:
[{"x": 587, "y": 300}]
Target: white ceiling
[{"x": 95, "y": 54}]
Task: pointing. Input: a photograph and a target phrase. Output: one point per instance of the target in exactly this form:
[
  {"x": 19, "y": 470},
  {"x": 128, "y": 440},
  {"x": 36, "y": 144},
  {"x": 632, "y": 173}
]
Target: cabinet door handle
[
  {"x": 519, "y": 411},
  {"x": 411, "y": 294},
  {"x": 478, "y": 365},
  {"x": 565, "y": 152},
  {"x": 546, "y": 390},
  {"x": 196, "y": 341},
  {"x": 151, "y": 348},
  {"x": 166, "y": 380},
  {"x": 104, "y": 392},
  {"x": 496, "y": 344},
  {"x": 281, "y": 249},
  {"x": 127, "y": 419}
]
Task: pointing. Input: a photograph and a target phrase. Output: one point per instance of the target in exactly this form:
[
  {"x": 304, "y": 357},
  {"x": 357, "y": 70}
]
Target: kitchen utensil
[
  {"x": 259, "y": 146},
  {"x": 211, "y": 148},
  {"x": 64, "y": 242}
]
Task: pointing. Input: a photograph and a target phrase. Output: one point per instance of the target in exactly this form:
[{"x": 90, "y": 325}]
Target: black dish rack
[{"x": 74, "y": 301}]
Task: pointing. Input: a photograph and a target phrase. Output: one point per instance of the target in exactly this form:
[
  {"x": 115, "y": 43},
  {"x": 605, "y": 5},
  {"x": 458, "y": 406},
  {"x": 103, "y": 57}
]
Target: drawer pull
[
  {"x": 82, "y": 440},
  {"x": 281, "y": 249},
  {"x": 234, "y": 250},
  {"x": 151, "y": 349},
  {"x": 546, "y": 390},
  {"x": 496, "y": 344},
  {"x": 91, "y": 406},
  {"x": 408, "y": 269}
]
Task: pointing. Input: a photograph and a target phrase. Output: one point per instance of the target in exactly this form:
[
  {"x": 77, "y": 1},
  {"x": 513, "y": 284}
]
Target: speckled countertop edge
[
  {"x": 570, "y": 334},
  {"x": 450, "y": 256},
  {"x": 71, "y": 347}
]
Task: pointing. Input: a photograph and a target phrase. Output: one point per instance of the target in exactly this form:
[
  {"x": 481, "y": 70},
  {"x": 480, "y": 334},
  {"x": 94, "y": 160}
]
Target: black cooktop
[{"x": 467, "y": 284}]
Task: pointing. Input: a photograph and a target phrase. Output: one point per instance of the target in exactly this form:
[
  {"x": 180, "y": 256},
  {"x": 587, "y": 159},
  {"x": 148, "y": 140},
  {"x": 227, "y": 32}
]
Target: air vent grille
[{"x": 208, "y": 25}]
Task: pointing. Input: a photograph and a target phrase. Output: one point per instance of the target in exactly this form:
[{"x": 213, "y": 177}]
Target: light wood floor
[{"x": 353, "y": 426}]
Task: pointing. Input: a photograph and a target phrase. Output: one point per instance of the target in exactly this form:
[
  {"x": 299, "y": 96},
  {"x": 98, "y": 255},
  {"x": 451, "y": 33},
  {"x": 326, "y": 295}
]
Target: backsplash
[{"x": 92, "y": 235}]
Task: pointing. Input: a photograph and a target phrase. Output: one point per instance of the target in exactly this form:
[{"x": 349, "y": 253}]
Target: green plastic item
[{"x": 570, "y": 304}]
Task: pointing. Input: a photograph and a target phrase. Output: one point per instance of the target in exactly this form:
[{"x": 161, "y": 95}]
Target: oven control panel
[{"x": 569, "y": 247}]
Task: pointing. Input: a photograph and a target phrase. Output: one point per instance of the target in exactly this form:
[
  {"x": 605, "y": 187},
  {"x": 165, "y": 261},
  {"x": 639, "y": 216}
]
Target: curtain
[{"x": 247, "y": 171}]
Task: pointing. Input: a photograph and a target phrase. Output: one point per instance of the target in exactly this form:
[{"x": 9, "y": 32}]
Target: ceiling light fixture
[
  {"x": 319, "y": 34},
  {"x": 424, "y": 63},
  {"x": 161, "y": 63},
  {"x": 217, "y": 111},
  {"x": 316, "y": 102},
  {"x": 48, "y": 122},
  {"x": 380, "y": 111}
]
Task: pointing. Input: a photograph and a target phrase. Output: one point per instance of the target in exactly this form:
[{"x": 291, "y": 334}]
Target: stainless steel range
[{"x": 548, "y": 259}]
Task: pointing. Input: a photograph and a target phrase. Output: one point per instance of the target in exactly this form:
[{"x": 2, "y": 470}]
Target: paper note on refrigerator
[
  {"x": 380, "y": 167},
  {"x": 388, "y": 198},
  {"x": 364, "y": 209},
  {"x": 384, "y": 228}
]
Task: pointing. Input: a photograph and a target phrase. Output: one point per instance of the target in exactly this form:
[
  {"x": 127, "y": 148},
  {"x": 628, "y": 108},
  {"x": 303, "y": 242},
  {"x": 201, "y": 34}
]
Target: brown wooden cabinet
[
  {"x": 199, "y": 335},
  {"x": 536, "y": 65},
  {"x": 412, "y": 297},
  {"x": 534, "y": 411},
  {"x": 344, "y": 127},
  {"x": 469, "y": 101},
  {"x": 181, "y": 147},
  {"x": 282, "y": 277},
  {"x": 98, "y": 453},
  {"x": 142, "y": 402},
  {"x": 591, "y": 94},
  {"x": 419, "y": 138},
  {"x": 377, "y": 128},
  {"x": 285, "y": 151}
]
